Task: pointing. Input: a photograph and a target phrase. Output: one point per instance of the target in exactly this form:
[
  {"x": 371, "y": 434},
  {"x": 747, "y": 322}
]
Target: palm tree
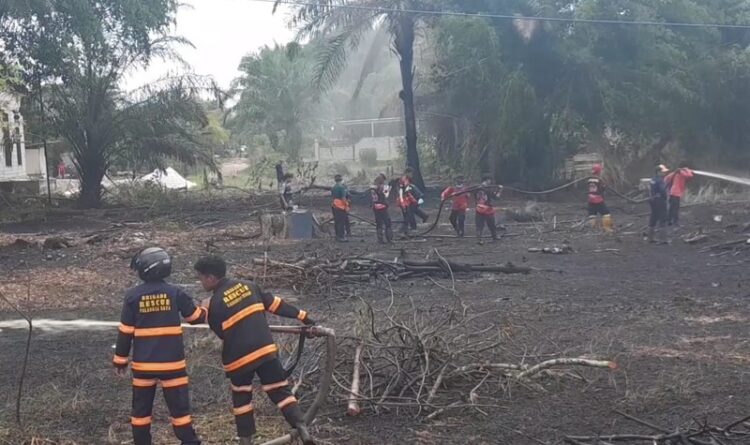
[
  {"x": 275, "y": 96},
  {"x": 344, "y": 25},
  {"x": 164, "y": 120}
]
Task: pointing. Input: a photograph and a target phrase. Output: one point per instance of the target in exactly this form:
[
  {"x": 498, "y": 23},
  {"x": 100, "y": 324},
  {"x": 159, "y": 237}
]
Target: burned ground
[{"x": 672, "y": 317}]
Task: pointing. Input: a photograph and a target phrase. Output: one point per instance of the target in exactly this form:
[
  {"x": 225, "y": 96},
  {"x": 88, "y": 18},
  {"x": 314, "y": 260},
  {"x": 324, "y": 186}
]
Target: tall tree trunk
[
  {"x": 404, "y": 43},
  {"x": 91, "y": 169}
]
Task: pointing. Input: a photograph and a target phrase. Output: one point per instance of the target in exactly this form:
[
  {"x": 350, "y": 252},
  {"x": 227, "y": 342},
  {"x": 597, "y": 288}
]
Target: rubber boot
[
  {"x": 592, "y": 222},
  {"x": 663, "y": 236},
  {"x": 388, "y": 235},
  {"x": 381, "y": 239},
  {"x": 608, "y": 223},
  {"x": 304, "y": 435},
  {"x": 247, "y": 441},
  {"x": 651, "y": 232}
]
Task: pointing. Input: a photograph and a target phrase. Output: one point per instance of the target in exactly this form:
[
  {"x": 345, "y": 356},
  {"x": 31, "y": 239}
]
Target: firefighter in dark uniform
[
  {"x": 237, "y": 315},
  {"x": 151, "y": 323},
  {"x": 379, "y": 196}
]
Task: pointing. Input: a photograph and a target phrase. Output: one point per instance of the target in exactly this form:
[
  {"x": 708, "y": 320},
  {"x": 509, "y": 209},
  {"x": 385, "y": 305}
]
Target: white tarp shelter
[{"x": 169, "y": 179}]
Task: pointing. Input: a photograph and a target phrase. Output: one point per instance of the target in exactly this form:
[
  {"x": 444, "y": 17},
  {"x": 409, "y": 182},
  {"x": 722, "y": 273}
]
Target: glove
[
  {"x": 309, "y": 321},
  {"x": 421, "y": 201}
]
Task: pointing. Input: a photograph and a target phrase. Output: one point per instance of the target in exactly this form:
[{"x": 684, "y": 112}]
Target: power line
[{"x": 383, "y": 10}]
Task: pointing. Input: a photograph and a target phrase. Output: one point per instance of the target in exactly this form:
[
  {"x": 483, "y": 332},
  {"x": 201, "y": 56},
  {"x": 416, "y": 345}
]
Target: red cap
[{"x": 597, "y": 169}]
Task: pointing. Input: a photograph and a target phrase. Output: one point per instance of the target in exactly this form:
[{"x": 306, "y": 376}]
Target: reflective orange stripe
[
  {"x": 248, "y": 388},
  {"x": 144, "y": 383},
  {"x": 275, "y": 305},
  {"x": 158, "y": 332},
  {"x": 249, "y": 358},
  {"x": 173, "y": 383},
  {"x": 302, "y": 315},
  {"x": 164, "y": 367},
  {"x": 243, "y": 409},
  {"x": 181, "y": 421},
  {"x": 127, "y": 330},
  {"x": 196, "y": 315},
  {"x": 286, "y": 402},
  {"x": 118, "y": 360},
  {"x": 140, "y": 421},
  {"x": 241, "y": 315},
  {"x": 277, "y": 385}
]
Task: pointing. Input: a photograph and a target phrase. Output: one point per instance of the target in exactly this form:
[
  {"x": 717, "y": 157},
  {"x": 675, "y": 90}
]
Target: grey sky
[{"x": 222, "y": 31}]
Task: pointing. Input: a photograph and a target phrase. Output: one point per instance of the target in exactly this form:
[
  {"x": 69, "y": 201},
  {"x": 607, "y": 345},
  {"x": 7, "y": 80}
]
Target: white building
[
  {"x": 379, "y": 139},
  {"x": 18, "y": 165}
]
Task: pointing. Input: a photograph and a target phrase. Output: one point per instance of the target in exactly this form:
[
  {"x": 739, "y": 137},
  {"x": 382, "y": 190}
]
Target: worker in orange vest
[
  {"x": 379, "y": 195},
  {"x": 409, "y": 199},
  {"x": 341, "y": 207},
  {"x": 485, "y": 210}
]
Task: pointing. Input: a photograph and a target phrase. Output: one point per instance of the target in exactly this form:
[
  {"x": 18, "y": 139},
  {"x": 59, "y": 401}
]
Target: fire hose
[
  {"x": 326, "y": 378},
  {"x": 474, "y": 189}
]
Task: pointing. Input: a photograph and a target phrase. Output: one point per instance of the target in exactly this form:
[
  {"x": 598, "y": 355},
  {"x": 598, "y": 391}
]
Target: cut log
[
  {"x": 272, "y": 225},
  {"x": 438, "y": 266},
  {"x": 696, "y": 239},
  {"x": 353, "y": 408}
]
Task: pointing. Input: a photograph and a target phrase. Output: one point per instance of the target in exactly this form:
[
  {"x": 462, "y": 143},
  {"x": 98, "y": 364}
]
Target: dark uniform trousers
[
  {"x": 383, "y": 225},
  {"x": 458, "y": 221},
  {"x": 410, "y": 219},
  {"x": 177, "y": 396},
  {"x": 271, "y": 375},
  {"x": 341, "y": 223},
  {"x": 489, "y": 222}
]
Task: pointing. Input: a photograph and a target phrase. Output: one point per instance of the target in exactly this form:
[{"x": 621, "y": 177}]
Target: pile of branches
[
  {"x": 700, "y": 433},
  {"x": 426, "y": 362},
  {"x": 311, "y": 274}
]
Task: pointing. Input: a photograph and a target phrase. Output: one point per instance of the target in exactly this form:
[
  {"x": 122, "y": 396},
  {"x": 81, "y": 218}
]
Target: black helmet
[{"x": 152, "y": 264}]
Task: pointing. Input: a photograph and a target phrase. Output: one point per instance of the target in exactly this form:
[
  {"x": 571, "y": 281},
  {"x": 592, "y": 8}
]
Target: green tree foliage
[
  {"x": 531, "y": 92},
  {"x": 275, "y": 97},
  {"x": 81, "y": 50},
  {"x": 344, "y": 29}
]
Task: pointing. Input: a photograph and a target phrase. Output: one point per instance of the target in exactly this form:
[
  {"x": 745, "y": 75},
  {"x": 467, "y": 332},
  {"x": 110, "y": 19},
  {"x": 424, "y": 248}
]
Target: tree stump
[{"x": 273, "y": 225}]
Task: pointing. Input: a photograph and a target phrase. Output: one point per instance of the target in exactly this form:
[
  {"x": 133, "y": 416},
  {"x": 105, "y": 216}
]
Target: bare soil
[{"x": 673, "y": 317}]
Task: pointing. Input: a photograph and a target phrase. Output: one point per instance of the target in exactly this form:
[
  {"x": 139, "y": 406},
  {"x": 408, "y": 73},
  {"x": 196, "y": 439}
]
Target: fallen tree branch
[
  {"x": 535, "y": 370},
  {"x": 353, "y": 407}
]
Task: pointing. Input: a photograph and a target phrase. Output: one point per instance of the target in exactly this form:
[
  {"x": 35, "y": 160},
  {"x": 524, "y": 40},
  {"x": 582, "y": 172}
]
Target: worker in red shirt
[
  {"x": 459, "y": 196},
  {"x": 596, "y": 205},
  {"x": 379, "y": 193},
  {"x": 485, "y": 210},
  {"x": 409, "y": 199},
  {"x": 677, "y": 184}
]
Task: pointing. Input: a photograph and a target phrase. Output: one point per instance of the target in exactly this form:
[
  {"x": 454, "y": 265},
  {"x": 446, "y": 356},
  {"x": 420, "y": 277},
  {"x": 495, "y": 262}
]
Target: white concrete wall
[
  {"x": 35, "y": 161},
  {"x": 333, "y": 154},
  {"x": 9, "y": 105},
  {"x": 386, "y": 147}
]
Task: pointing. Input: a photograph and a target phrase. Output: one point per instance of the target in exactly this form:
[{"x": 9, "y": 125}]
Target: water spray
[
  {"x": 729, "y": 178},
  {"x": 61, "y": 326}
]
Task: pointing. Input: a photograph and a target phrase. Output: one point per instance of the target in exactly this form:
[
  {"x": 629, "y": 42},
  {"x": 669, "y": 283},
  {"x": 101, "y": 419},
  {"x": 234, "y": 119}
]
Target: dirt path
[{"x": 674, "y": 318}]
